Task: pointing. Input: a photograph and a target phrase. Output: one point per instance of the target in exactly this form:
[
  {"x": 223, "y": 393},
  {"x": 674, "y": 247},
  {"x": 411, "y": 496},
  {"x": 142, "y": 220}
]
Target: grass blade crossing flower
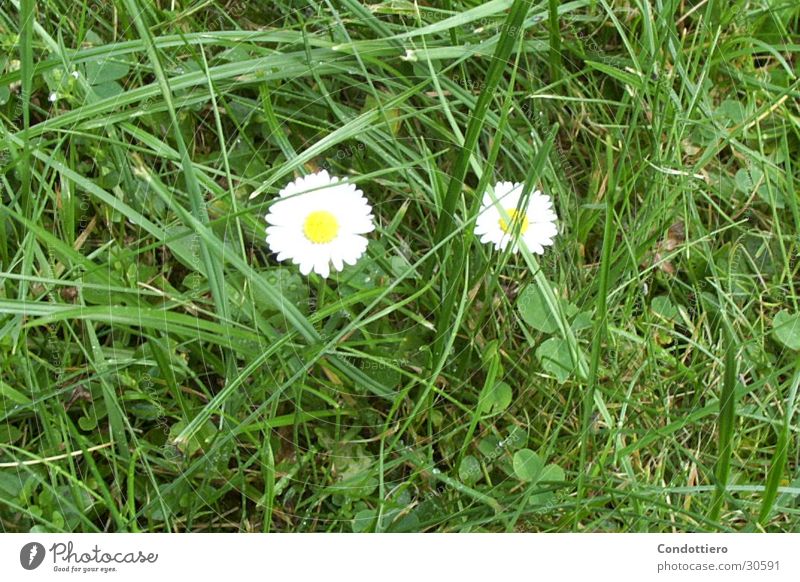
[{"x": 502, "y": 220}]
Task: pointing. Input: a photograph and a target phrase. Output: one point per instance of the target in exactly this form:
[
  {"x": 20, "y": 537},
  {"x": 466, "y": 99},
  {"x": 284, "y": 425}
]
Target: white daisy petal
[
  {"x": 322, "y": 266},
  {"x": 305, "y": 267},
  {"x": 336, "y": 259},
  {"x": 536, "y": 248}
]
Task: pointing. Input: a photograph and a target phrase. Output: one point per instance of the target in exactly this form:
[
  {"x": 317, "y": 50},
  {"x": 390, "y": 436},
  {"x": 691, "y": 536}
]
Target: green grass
[{"x": 161, "y": 372}]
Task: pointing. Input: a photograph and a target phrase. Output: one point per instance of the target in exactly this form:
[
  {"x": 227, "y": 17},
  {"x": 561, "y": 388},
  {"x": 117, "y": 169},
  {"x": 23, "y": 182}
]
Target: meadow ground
[{"x": 161, "y": 371}]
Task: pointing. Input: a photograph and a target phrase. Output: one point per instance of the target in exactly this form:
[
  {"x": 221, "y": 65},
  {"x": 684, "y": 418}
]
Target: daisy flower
[
  {"x": 319, "y": 221},
  {"x": 535, "y": 224}
]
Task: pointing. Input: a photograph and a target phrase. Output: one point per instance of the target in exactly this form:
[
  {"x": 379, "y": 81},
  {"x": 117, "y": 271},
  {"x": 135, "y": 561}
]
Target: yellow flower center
[
  {"x": 321, "y": 227},
  {"x": 519, "y": 220}
]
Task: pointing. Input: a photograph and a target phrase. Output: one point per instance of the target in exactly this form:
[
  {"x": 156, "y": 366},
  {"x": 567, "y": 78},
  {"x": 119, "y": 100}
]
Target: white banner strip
[{"x": 400, "y": 557}]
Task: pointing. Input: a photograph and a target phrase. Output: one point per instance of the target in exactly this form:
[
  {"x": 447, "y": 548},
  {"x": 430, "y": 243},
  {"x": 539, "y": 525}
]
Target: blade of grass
[
  {"x": 555, "y": 42},
  {"x": 727, "y": 412},
  {"x": 602, "y": 324},
  {"x": 27, "y": 11},
  {"x": 446, "y": 218},
  {"x": 778, "y": 465}
]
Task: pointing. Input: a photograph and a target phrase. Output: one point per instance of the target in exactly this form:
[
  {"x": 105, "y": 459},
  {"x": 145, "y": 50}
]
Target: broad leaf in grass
[
  {"x": 555, "y": 358},
  {"x": 363, "y": 520},
  {"x": 110, "y": 89},
  {"x": 534, "y": 310},
  {"x": 201, "y": 441},
  {"x": 497, "y": 398},
  {"x": 663, "y": 307},
  {"x": 100, "y": 71},
  {"x": 582, "y": 321},
  {"x": 382, "y": 369},
  {"x": 469, "y": 471},
  {"x": 752, "y": 179},
  {"x": 551, "y": 473},
  {"x": 527, "y": 465},
  {"x": 786, "y": 329}
]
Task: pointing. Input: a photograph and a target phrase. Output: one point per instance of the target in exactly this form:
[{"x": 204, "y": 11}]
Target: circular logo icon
[{"x": 31, "y": 555}]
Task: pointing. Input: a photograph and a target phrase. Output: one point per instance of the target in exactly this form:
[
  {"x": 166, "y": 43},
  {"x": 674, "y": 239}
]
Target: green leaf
[
  {"x": 774, "y": 198},
  {"x": 400, "y": 265},
  {"x": 663, "y": 307},
  {"x": 516, "y": 439},
  {"x": 552, "y": 472},
  {"x": 200, "y": 441},
  {"x": 752, "y": 179},
  {"x": 527, "y": 465},
  {"x": 185, "y": 247},
  {"x": 108, "y": 90},
  {"x": 489, "y": 446},
  {"x": 786, "y": 329},
  {"x": 469, "y": 471},
  {"x": 87, "y": 423},
  {"x": 746, "y": 181},
  {"x": 497, "y": 399},
  {"x": 354, "y": 467},
  {"x": 735, "y": 111},
  {"x": 543, "y": 498},
  {"x": 363, "y": 520},
  {"x": 10, "y": 484},
  {"x": 555, "y": 358},
  {"x": 105, "y": 70},
  {"x": 287, "y": 281},
  {"x": 582, "y": 321},
  {"x": 9, "y": 433},
  {"x": 382, "y": 369},
  {"x": 534, "y": 311}
]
